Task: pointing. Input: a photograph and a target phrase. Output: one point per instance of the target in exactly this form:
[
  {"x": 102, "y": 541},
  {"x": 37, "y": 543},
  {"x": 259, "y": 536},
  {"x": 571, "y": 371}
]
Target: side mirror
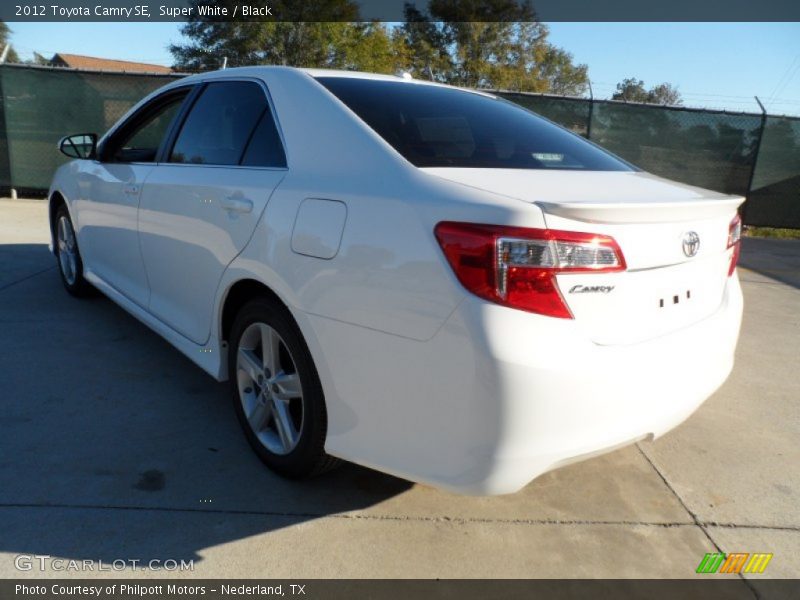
[{"x": 81, "y": 145}]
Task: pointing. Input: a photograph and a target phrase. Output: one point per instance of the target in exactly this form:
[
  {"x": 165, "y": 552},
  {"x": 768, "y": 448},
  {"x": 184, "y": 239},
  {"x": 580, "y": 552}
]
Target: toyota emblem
[{"x": 691, "y": 243}]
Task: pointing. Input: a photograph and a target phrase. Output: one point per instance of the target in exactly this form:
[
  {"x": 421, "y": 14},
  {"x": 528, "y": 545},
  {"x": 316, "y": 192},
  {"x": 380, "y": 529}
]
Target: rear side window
[
  {"x": 265, "y": 148},
  {"x": 434, "y": 126},
  {"x": 220, "y": 124}
]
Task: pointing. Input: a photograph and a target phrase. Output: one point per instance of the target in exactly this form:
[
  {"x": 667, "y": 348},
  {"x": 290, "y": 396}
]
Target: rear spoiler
[{"x": 643, "y": 212}]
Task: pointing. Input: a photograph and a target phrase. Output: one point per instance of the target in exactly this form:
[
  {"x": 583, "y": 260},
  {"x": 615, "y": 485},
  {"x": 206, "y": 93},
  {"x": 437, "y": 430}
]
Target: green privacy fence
[
  {"x": 41, "y": 105},
  {"x": 748, "y": 154},
  {"x": 715, "y": 150},
  {"x": 739, "y": 153},
  {"x": 774, "y": 195}
]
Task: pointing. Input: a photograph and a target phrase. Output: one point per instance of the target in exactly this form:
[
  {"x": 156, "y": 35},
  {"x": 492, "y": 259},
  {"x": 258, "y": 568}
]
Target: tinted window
[
  {"x": 220, "y": 123},
  {"x": 265, "y": 148},
  {"x": 140, "y": 143},
  {"x": 435, "y": 126}
]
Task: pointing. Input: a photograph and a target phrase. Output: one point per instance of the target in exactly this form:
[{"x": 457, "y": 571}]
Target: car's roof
[
  {"x": 257, "y": 70},
  {"x": 262, "y": 70},
  {"x": 358, "y": 75}
]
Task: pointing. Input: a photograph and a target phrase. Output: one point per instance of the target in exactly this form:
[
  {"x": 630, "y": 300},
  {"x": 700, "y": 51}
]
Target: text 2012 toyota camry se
[{"x": 429, "y": 281}]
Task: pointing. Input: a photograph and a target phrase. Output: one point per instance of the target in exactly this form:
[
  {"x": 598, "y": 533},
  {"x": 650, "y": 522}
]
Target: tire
[
  {"x": 277, "y": 394},
  {"x": 68, "y": 256}
]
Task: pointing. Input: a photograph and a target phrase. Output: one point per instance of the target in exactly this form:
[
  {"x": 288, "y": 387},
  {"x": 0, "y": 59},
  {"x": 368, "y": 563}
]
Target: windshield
[{"x": 434, "y": 126}]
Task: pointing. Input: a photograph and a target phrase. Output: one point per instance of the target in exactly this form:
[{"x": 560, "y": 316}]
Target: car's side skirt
[{"x": 206, "y": 356}]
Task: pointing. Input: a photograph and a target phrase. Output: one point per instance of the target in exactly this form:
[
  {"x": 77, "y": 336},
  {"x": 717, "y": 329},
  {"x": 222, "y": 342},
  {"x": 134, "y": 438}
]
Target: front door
[{"x": 109, "y": 236}]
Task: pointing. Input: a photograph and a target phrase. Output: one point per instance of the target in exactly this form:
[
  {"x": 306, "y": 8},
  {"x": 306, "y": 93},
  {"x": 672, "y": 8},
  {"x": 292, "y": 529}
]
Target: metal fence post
[
  {"x": 756, "y": 152},
  {"x": 5, "y": 151}
]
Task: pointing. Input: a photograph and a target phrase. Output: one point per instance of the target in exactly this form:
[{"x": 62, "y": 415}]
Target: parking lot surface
[{"x": 113, "y": 446}]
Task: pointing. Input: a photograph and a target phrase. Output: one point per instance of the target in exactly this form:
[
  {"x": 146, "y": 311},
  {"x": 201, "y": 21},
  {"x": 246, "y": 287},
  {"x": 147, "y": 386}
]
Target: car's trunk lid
[{"x": 668, "y": 283}]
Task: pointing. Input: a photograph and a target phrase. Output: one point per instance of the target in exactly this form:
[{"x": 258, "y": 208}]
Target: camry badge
[
  {"x": 691, "y": 243},
  {"x": 591, "y": 289}
]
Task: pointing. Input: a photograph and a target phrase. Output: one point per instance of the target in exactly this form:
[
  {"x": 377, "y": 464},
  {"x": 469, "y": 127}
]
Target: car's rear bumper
[
  {"x": 566, "y": 398},
  {"x": 500, "y": 396}
]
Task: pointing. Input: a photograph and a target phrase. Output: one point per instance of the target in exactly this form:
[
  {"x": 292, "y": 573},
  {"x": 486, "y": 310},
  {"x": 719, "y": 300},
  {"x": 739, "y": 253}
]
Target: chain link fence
[{"x": 748, "y": 154}]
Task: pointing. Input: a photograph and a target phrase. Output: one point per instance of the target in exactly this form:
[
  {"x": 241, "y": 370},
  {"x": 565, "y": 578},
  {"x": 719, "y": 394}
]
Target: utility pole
[
  {"x": 4, "y": 55},
  {"x": 224, "y": 62}
]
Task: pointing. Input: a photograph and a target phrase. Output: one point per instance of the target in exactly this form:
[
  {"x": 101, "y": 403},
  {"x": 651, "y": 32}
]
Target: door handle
[
  {"x": 130, "y": 189},
  {"x": 239, "y": 205}
]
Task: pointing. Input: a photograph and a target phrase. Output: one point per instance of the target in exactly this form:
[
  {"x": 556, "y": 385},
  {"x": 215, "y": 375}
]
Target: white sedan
[{"x": 429, "y": 281}]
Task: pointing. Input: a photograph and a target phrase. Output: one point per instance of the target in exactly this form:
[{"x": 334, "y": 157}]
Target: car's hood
[{"x": 606, "y": 196}]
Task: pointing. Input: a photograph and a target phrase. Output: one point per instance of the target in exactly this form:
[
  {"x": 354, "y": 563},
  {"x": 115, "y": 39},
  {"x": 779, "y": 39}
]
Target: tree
[
  {"x": 331, "y": 37},
  {"x": 471, "y": 43},
  {"x": 253, "y": 43},
  {"x": 426, "y": 46},
  {"x": 5, "y": 34},
  {"x": 38, "y": 59},
  {"x": 633, "y": 90},
  {"x": 630, "y": 90},
  {"x": 488, "y": 43},
  {"x": 561, "y": 74},
  {"x": 373, "y": 48},
  {"x": 665, "y": 93}
]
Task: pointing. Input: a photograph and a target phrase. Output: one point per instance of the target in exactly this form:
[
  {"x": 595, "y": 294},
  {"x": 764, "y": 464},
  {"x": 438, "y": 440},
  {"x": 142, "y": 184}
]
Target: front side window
[
  {"x": 139, "y": 142},
  {"x": 220, "y": 124},
  {"x": 433, "y": 126}
]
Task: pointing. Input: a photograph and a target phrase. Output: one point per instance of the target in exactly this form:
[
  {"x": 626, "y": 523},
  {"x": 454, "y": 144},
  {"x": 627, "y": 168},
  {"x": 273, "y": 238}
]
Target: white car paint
[
  {"x": 422, "y": 379},
  {"x": 188, "y": 215},
  {"x": 110, "y": 239},
  {"x": 318, "y": 228}
]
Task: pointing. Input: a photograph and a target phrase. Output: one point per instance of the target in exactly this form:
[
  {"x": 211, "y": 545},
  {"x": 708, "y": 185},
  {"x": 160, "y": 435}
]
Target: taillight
[
  {"x": 517, "y": 266},
  {"x": 735, "y": 242}
]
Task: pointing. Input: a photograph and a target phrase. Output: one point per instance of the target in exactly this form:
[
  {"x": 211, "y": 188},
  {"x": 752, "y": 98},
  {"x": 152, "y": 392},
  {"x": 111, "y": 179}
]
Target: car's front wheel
[
  {"x": 276, "y": 391},
  {"x": 70, "y": 265}
]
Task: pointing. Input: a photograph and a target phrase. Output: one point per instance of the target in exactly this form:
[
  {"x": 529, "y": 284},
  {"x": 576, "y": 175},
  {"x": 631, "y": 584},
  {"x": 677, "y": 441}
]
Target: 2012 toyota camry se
[{"x": 429, "y": 281}]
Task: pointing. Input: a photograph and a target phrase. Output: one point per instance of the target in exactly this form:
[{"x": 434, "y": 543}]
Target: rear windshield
[{"x": 435, "y": 126}]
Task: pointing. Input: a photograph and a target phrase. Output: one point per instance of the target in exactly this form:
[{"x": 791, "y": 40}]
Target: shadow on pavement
[
  {"x": 773, "y": 258},
  {"x": 20, "y": 261},
  {"x": 98, "y": 414}
]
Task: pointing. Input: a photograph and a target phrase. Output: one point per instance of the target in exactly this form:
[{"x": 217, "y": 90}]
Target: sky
[{"x": 714, "y": 65}]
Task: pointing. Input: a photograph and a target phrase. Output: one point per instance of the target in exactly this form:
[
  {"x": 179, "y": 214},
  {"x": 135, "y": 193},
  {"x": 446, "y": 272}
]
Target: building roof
[{"x": 76, "y": 61}]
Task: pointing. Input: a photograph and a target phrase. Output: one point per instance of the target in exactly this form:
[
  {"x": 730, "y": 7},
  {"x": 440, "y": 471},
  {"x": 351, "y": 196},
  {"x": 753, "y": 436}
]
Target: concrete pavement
[{"x": 113, "y": 446}]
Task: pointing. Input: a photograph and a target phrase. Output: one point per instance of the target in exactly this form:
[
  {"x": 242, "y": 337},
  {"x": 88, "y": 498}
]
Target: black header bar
[{"x": 394, "y": 10}]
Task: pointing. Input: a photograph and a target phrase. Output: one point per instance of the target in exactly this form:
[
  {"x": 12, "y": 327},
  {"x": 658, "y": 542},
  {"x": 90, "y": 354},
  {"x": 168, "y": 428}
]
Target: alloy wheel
[
  {"x": 269, "y": 388},
  {"x": 67, "y": 250}
]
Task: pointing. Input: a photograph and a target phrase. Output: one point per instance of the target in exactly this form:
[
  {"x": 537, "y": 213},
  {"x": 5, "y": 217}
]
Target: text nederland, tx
[{"x": 142, "y": 591}]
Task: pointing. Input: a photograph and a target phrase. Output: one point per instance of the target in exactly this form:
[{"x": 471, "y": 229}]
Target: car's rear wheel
[
  {"x": 276, "y": 391},
  {"x": 70, "y": 265}
]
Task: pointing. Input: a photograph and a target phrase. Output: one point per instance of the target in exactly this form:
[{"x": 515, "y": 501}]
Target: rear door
[{"x": 201, "y": 203}]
